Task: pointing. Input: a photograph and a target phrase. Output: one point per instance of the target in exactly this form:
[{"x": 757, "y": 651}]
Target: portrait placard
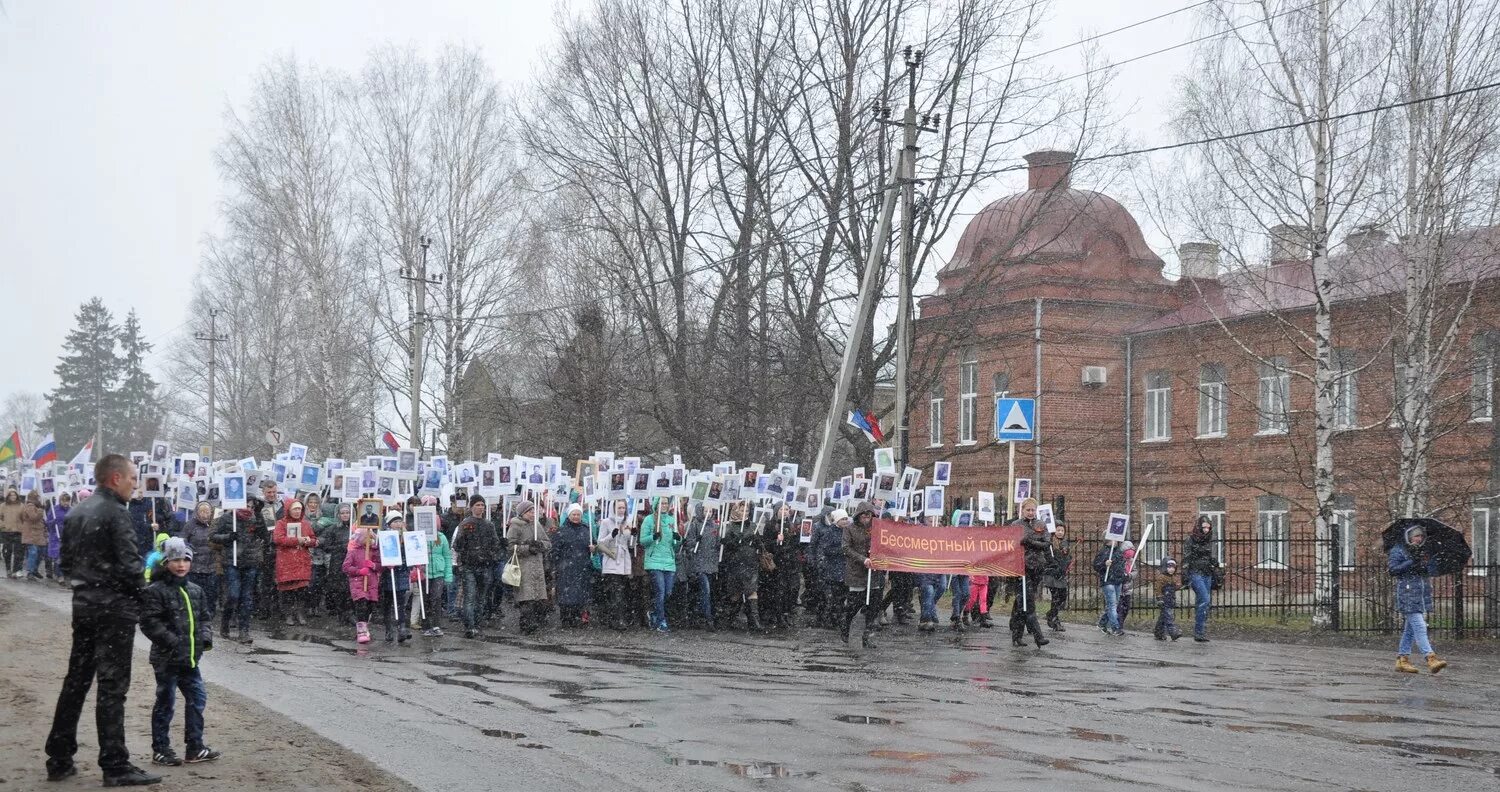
[
  {"x": 390, "y": 548},
  {"x": 416, "y": 547}
]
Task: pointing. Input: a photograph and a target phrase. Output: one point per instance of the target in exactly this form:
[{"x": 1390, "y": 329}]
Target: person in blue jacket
[{"x": 1411, "y": 565}]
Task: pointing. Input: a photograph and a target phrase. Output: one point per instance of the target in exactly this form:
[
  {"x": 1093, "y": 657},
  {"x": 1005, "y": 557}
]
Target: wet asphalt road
[{"x": 587, "y": 710}]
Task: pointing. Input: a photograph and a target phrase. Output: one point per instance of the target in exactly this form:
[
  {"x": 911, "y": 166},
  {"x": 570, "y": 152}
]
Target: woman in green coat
[
  {"x": 659, "y": 539},
  {"x": 438, "y": 577}
]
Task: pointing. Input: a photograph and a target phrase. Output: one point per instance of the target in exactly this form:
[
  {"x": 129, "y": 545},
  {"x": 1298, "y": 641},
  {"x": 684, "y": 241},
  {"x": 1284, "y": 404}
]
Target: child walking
[
  {"x": 362, "y": 566},
  {"x": 170, "y": 616},
  {"x": 1168, "y": 583}
]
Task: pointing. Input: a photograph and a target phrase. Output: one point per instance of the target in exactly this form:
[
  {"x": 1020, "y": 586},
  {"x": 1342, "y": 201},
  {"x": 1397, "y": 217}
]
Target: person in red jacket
[{"x": 293, "y": 536}]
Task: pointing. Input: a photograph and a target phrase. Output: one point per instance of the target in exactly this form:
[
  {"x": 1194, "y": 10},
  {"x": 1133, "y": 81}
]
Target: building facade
[{"x": 1167, "y": 399}]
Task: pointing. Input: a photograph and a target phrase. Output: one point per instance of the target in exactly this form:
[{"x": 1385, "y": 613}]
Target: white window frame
[
  {"x": 1264, "y": 522},
  {"x": 1155, "y": 548},
  {"x": 935, "y": 422},
  {"x": 1345, "y": 399},
  {"x": 1213, "y": 410},
  {"x": 1158, "y": 418},
  {"x": 1398, "y": 393},
  {"x": 1482, "y": 520},
  {"x": 1273, "y": 400},
  {"x": 1348, "y": 527},
  {"x": 968, "y": 395},
  {"x": 1216, "y": 519},
  {"x": 1482, "y": 391}
]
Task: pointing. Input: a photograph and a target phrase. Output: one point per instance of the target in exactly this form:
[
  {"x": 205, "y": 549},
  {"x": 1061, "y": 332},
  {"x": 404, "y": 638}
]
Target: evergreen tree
[
  {"x": 138, "y": 408},
  {"x": 86, "y": 375}
]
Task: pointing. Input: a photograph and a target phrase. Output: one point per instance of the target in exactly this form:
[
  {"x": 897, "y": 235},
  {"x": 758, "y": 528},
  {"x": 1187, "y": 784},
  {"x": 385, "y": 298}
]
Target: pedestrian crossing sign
[{"x": 1015, "y": 420}]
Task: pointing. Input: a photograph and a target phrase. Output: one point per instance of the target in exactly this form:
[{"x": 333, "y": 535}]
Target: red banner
[{"x": 993, "y": 550}]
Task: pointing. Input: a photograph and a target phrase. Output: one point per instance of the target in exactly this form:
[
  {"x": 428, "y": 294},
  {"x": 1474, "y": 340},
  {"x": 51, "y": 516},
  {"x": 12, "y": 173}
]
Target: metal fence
[{"x": 1270, "y": 579}]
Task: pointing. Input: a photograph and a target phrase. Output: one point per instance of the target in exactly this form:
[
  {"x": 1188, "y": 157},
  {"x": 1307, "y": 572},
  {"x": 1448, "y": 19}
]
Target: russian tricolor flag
[
  {"x": 46, "y": 452},
  {"x": 390, "y": 441},
  {"x": 865, "y": 422}
]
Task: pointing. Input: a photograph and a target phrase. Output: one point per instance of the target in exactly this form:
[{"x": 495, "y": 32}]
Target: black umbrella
[{"x": 1444, "y": 543}]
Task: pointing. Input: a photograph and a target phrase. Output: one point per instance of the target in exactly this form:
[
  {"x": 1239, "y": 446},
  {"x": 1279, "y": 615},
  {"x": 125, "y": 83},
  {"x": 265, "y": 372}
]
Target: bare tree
[
  {"x": 435, "y": 162},
  {"x": 25, "y": 412},
  {"x": 1342, "y": 160}
]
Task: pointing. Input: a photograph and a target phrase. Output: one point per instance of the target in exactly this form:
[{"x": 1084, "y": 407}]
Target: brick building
[{"x": 1170, "y": 398}]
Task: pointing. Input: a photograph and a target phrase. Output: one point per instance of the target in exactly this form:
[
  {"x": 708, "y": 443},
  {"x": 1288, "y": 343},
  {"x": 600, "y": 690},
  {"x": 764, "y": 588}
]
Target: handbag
[
  {"x": 767, "y": 562},
  {"x": 1217, "y": 579},
  {"x": 511, "y": 574}
]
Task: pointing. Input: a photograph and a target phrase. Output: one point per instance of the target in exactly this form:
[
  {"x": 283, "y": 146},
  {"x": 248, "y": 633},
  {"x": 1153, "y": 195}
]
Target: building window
[
  {"x": 1154, "y": 517},
  {"x": 1273, "y": 537},
  {"x": 1213, "y": 401},
  {"x": 968, "y": 393},
  {"x": 1213, "y": 509},
  {"x": 1345, "y": 395},
  {"x": 1482, "y": 392},
  {"x": 1158, "y": 406},
  {"x": 1486, "y": 538},
  {"x": 1274, "y": 396},
  {"x": 1398, "y": 381},
  {"x": 1344, "y": 523},
  {"x": 935, "y": 417}
]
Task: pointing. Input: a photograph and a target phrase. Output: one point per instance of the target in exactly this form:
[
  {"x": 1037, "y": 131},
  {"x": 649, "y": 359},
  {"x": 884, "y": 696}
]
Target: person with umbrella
[{"x": 1412, "y": 562}]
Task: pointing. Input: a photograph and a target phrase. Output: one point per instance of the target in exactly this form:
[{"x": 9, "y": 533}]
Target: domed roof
[{"x": 1050, "y": 221}]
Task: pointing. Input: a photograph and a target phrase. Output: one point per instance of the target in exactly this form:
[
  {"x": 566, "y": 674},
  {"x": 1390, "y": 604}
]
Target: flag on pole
[
  {"x": 85, "y": 455},
  {"x": 45, "y": 452},
  {"x": 865, "y": 422},
  {"x": 389, "y": 441},
  {"x": 11, "y": 448}
]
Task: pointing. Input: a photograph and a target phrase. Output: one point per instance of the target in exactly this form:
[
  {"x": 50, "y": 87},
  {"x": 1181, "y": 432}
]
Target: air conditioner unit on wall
[{"x": 1095, "y": 376}]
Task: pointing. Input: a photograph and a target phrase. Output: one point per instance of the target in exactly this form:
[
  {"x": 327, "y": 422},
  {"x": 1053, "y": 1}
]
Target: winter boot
[
  {"x": 752, "y": 615},
  {"x": 847, "y": 621},
  {"x": 957, "y": 623},
  {"x": 245, "y": 637},
  {"x": 1404, "y": 665},
  {"x": 1036, "y": 630},
  {"x": 361, "y": 632},
  {"x": 1435, "y": 663},
  {"x": 985, "y": 621},
  {"x": 300, "y": 614},
  {"x": 1056, "y": 624}
]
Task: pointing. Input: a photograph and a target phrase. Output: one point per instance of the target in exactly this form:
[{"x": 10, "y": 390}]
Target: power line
[
  {"x": 1236, "y": 135},
  {"x": 1188, "y": 43},
  {"x": 1106, "y": 33}
]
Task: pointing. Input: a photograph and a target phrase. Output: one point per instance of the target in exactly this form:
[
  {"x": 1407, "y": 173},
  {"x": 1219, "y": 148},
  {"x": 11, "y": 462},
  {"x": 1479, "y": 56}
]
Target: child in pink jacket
[{"x": 362, "y": 565}]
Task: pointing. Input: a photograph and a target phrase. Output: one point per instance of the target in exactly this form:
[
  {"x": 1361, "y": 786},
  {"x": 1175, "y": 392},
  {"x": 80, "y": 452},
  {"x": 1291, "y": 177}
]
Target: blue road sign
[{"x": 1015, "y": 420}]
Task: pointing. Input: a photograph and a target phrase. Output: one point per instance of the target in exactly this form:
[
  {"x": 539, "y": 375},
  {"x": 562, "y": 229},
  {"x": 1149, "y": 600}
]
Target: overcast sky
[{"x": 112, "y": 111}]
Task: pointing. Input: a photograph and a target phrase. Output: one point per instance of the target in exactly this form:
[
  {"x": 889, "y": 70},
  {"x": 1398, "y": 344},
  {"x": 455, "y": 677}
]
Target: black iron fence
[{"x": 1271, "y": 579}]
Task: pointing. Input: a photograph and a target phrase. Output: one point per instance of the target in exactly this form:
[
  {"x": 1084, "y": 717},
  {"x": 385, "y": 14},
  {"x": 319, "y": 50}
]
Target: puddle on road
[
  {"x": 261, "y": 650},
  {"x": 313, "y": 638},
  {"x": 503, "y": 734},
  {"x": 537, "y": 746},
  {"x": 1090, "y": 735},
  {"x": 1364, "y": 717},
  {"x": 746, "y": 769},
  {"x": 1183, "y": 712},
  {"x": 824, "y": 667},
  {"x": 903, "y": 756},
  {"x": 773, "y": 721},
  {"x": 587, "y": 732},
  {"x": 866, "y": 720}
]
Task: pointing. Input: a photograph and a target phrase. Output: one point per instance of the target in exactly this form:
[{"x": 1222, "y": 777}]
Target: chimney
[
  {"x": 1199, "y": 260},
  {"x": 1290, "y": 242},
  {"x": 1048, "y": 169},
  {"x": 1365, "y": 237}
]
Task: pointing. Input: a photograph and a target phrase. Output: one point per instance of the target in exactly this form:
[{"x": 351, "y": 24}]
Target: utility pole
[
  {"x": 214, "y": 338},
  {"x": 901, "y": 176},
  {"x": 908, "y": 181},
  {"x": 420, "y": 282}
]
